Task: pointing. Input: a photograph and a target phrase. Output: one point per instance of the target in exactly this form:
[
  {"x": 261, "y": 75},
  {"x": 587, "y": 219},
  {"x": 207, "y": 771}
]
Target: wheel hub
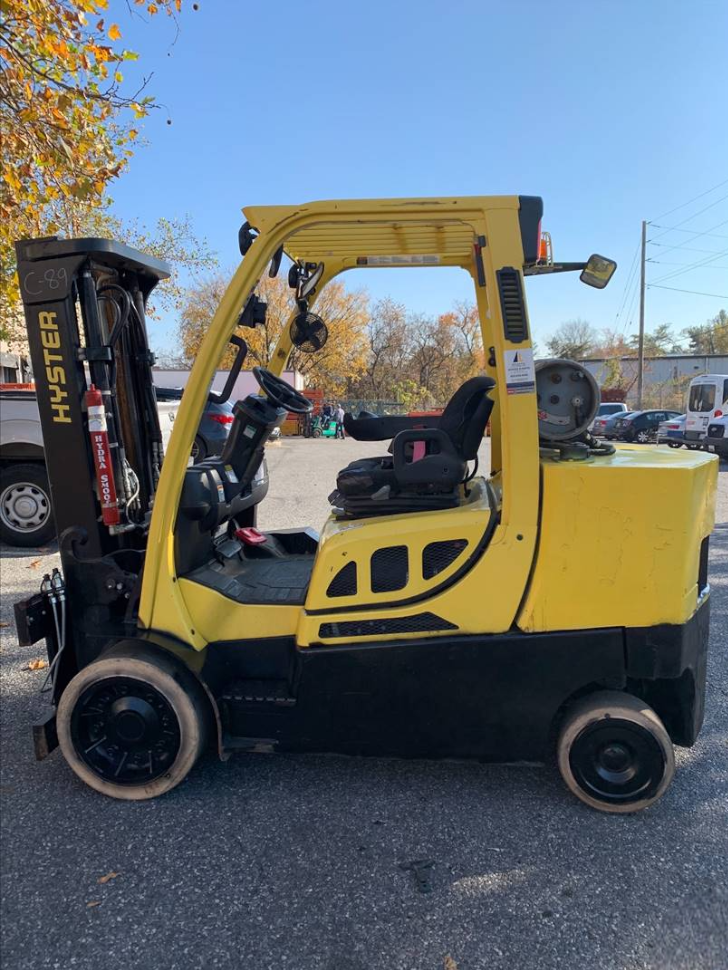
[
  {"x": 24, "y": 507},
  {"x": 617, "y": 761},
  {"x": 125, "y": 730},
  {"x": 133, "y": 719}
]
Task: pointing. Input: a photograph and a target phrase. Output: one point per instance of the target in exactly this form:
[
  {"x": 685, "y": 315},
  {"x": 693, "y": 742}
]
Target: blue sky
[{"x": 613, "y": 112}]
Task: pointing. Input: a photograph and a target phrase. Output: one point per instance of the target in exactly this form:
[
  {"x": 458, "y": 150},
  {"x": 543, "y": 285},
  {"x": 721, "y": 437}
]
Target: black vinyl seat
[{"x": 408, "y": 480}]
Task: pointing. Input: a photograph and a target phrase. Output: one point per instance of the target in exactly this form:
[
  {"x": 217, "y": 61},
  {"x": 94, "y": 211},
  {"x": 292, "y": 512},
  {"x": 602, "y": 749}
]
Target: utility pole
[{"x": 641, "y": 346}]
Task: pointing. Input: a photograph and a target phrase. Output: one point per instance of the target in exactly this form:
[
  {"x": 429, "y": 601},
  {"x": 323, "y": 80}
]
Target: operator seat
[{"x": 425, "y": 466}]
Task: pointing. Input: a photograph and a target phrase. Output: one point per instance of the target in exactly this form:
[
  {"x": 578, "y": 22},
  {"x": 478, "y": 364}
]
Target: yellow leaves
[
  {"x": 69, "y": 121},
  {"x": 10, "y": 178},
  {"x": 38, "y": 664},
  {"x": 102, "y": 880}
]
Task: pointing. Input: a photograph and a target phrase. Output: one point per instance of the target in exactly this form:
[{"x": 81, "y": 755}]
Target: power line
[
  {"x": 694, "y": 215},
  {"x": 632, "y": 304},
  {"x": 718, "y": 296},
  {"x": 697, "y": 236},
  {"x": 696, "y": 265},
  {"x": 690, "y": 201},
  {"x": 632, "y": 269},
  {"x": 661, "y": 262},
  {"x": 689, "y": 249},
  {"x": 693, "y": 232}
]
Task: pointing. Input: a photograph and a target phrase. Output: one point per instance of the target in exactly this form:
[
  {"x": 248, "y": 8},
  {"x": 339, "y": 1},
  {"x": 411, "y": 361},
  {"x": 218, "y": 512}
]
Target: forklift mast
[{"x": 84, "y": 302}]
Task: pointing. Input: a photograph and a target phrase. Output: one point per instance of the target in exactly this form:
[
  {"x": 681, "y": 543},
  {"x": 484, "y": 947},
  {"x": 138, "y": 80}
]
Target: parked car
[
  {"x": 606, "y": 410},
  {"x": 608, "y": 425},
  {"x": 641, "y": 426},
  {"x": 25, "y": 498},
  {"x": 717, "y": 437},
  {"x": 214, "y": 424},
  {"x": 672, "y": 432}
]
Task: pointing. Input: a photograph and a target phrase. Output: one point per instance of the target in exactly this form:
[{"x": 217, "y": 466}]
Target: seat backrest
[{"x": 466, "y": 415}]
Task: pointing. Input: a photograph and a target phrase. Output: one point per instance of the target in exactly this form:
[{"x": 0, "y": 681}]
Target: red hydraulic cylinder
[{"x": 102, "y": 456}]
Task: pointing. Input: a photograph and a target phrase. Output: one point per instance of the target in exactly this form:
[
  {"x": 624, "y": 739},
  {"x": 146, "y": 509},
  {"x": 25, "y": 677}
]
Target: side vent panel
[
  {"x": 344, "y": 582},
  {"x": 420, "y": 623},
  {"x": 437, "y": 556},
  {"x": 513, "y": 306},
  {"x": 390, "y": 569}
]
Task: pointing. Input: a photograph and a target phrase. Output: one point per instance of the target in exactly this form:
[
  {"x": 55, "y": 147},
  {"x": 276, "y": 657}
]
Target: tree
[
  {"x": 659, "y": 342},
  {"x": 573, "y": 340},
  {"x": 67, "y": 120},
  {"x": 711, "y": 337},
  {"x": 389, "y": 348},
  {"x": 334, "y": 368},
  {"x": 173, "y": 240}
]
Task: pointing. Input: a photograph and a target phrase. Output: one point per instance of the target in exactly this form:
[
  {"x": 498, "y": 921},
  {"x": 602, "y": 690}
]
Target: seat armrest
[{"x": 384, "y": 427}]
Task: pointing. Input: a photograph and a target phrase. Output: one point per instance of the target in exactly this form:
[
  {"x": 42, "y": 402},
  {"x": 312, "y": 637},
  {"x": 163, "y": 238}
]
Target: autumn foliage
[
  {"x": 342, "y": 360},
  {"x": 68, "y": 121},
  {"x": 379, "y": 353}
]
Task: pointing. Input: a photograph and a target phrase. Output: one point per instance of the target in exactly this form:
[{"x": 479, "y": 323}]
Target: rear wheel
[
  {"x": 132, "y": 724},
  {"x": 199, "y": 450},
  {"x": 614, "y": 753},
  {"x": 674, "y": 444},
  {"x": 25, "y": 506},
  {"x": 642, "y": 437}
]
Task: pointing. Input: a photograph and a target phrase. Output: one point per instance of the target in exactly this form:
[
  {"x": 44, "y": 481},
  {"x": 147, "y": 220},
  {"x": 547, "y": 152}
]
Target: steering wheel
[{"x": 280, "y": 392}]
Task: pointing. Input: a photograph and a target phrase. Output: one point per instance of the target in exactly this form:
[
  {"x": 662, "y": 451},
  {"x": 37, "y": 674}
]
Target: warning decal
[{"x": 520, "y": 375}]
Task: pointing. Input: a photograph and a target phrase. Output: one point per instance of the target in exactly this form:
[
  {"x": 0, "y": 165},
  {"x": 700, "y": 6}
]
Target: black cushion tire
[
  {"x": 133, "y": 723},
  {"x": 26, "y": 516},
  {"x": 614, "y": 753}
]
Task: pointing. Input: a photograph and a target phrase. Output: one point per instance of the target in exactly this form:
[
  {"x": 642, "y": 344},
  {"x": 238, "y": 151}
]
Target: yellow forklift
[{"x": 553, "y": 605}]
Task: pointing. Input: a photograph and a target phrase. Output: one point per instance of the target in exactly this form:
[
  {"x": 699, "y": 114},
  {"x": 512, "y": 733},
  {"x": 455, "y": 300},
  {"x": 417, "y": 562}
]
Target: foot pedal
[{"x": 251, "y": 536}]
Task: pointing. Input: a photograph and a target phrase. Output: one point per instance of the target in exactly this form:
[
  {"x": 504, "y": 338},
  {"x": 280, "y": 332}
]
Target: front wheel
[
  {"x": 614, "y": 753},
  {"x": 133, "y": 723},
  {"x": 674, "y": 444},
  {"x": 642, "y": 437},
  {"x": 26, "y": 518}
]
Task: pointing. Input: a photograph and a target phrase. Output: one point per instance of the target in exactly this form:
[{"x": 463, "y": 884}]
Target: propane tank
[
  {"x": 102, "y": 456},
  {"x": 568, "y": 399}
]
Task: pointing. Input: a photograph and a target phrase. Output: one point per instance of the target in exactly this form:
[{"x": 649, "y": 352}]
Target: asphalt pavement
[{"x": 317, "y": 863}]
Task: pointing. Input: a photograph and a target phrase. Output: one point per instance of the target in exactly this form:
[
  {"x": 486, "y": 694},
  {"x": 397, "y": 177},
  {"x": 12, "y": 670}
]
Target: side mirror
[{"x": 598, "y": 271}]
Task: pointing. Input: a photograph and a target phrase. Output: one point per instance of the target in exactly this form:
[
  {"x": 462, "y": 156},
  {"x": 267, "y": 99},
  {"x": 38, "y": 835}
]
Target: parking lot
[{"x": 307, "y": 862}]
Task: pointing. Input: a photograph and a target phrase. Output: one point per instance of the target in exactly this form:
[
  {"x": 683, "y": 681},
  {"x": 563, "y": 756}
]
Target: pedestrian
[{"x": 339, "y": 418}]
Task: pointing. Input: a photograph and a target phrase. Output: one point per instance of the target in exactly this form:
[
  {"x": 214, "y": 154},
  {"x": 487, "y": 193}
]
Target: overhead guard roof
[{"x": 354, "y": 229}]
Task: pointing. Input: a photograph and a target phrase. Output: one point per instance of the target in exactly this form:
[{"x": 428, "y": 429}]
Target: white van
[{"x": 707, "y": 399}]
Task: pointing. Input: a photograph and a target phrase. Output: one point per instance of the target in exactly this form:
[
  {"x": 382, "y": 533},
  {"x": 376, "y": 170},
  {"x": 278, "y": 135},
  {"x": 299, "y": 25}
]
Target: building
[
  {"x": 14, "y": 368},
  {"x": 665, "y": 378},
  {"x": 244, "y": 385}
]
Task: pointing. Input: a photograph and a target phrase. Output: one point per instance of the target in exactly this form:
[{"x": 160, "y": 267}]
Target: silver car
[{"x": 672, "y": 432}]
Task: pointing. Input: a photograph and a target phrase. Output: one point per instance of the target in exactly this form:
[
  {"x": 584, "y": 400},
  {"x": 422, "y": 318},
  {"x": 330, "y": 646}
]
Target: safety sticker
[
  {"x": 520, "y": 374},
  {"x": 412, "y": 260}
]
